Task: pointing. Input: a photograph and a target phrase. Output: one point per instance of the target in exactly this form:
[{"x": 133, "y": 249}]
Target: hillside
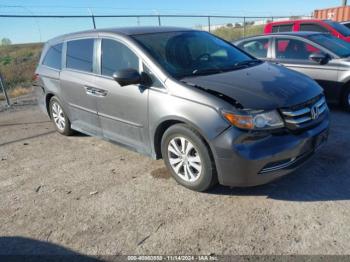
[{"x": 18, "y": 62}]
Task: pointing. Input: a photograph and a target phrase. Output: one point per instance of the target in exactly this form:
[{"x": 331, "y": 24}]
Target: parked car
[
  {"x": 211, "y": 111},
  {"x": 322, "y": 57},
  {"x": 309, "y": 25}
]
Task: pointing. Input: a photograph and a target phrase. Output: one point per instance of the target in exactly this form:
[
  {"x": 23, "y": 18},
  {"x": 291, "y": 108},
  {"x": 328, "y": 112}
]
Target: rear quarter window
[
  {"x": 53, "y": 57},
  {"x": 282, "y": 28},
  {"x": 312, "y": 28}
]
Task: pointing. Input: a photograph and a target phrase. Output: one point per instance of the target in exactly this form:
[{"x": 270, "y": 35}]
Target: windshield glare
[
  {"x": 334, "y": 44},
  {"x": 187, "y": 53},
  {"x": 339, "y": 27}
]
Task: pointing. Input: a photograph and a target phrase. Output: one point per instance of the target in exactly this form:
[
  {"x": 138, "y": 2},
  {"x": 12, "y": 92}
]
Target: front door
[{"x": 123, "y": 110}]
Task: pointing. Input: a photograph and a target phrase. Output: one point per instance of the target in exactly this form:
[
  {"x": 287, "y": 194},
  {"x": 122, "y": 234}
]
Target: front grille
[{"x": 305, "y": 115}]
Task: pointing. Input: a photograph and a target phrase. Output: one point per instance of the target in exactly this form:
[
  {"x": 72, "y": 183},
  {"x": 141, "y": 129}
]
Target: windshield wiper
[
  {"x": 247, "y": 63},
  {"x": 206, "y": 71},
  {"x": 238, "y": 65}
]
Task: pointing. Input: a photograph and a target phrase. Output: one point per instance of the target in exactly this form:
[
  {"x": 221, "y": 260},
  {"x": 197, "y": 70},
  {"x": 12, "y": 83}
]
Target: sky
[{"x": 24, "y": 30}]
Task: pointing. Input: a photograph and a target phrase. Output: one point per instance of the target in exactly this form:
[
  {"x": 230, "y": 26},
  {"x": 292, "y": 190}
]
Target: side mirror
[
  {"x": 127, "y": 77},
  {"x": 320, "y": 58}
]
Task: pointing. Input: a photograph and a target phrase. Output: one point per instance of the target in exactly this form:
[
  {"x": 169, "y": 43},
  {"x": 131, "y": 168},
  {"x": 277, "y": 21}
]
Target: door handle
[{"x": 93, "y": 91}]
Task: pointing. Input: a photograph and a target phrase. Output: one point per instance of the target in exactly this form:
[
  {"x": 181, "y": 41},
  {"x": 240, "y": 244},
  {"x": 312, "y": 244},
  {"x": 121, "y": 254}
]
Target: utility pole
[
  {"x": 2, "y": 85},
  {"x": 345, "y": 2}
]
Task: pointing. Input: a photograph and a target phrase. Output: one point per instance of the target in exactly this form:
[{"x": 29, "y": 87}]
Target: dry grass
[
  {"x": 17, "y": 64},
  {"x": 16, "y": 92},
  {"x": 232, "y": 33}
]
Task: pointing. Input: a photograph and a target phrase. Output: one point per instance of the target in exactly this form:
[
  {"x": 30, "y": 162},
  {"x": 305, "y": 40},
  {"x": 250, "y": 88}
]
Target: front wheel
[
  {"x": 346, "y": 99},
  {"x": 59, "y": 117},
  {"x": 188, "y": 159}
]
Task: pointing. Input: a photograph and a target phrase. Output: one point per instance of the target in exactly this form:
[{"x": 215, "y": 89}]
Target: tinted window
[
  {"x": 116, "y": 56},
  {"x": 347, "y": 25},
  {"x": 294, "y": 49},
  {"x": 191, "y": 53},
  {"x": 332, "y": 43},
  {"x": 344, "y": 30},
  {"x": 257, "y": 47},
  {"x": 53, "y": 57},
  {"x": 80, "y": 54},
  {"x": 312, "y": 28},
  {"x": 282, "y": 28}
]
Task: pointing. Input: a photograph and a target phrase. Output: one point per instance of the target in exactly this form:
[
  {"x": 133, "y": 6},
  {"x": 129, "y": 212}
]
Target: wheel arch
[
  {"x": 47, "y": 102},
  {"x": 345, "y": 86},
  {"x": 167, "y": 123}
]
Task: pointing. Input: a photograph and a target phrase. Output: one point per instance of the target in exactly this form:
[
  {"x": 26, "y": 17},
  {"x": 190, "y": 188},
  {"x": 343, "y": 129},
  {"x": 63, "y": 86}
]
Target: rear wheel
[
  {"x": 346, "y": 99},
  {"x": 188, "y": 159},
  {"x": 59, "y": 117}
]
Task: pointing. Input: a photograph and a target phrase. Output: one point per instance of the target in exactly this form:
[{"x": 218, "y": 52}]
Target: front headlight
[{"x": 255, "y": 121}]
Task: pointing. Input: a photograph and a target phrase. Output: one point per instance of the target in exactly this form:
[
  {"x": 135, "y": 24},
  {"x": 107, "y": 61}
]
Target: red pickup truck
[{"x": 313, "y": 25}]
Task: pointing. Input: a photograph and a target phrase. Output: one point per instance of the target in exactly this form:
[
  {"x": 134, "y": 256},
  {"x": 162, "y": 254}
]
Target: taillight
[{"x": 35, "y": 77}]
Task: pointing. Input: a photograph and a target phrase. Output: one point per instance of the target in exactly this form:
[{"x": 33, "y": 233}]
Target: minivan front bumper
[{"x": 248, "y": 159}]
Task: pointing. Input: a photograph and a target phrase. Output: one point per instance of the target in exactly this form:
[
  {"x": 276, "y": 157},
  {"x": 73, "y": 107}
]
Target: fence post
[
  {"x": 4, "y": 91},
  {"x": 244, "y": 24},
  {"x": 209, "y": 24},
  {"x": 159, "y": 23}
]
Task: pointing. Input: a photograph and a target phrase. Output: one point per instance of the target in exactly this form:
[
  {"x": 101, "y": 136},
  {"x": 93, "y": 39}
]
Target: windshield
[
  {"x": 193, "y": 53},
  {"x": 334, "y": 44},
  {"x": 339, "y": 27}
]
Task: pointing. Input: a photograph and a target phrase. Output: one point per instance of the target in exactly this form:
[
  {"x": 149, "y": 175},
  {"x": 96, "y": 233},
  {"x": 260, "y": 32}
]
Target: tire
[
  {"x": 194, "y": 170},
  {"x": 59, "y": 117},
  {"x": 346, "y": 99}
]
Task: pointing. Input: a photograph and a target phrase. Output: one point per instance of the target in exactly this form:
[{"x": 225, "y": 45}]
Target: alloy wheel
[
  {"x": 58, "y": 116},
  {"x": 184, "y": 159}
]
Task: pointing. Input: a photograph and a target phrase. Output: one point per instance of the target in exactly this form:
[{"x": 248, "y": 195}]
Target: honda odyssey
[{"x": 211, "y": 111}]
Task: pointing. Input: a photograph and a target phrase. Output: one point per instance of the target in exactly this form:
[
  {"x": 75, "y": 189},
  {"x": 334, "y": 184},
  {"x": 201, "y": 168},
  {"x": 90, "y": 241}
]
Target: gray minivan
[{"x": 211, "y": 111}]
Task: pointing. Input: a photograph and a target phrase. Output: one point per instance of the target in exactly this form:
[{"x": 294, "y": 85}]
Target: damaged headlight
[{"x": 255, "y": 120}]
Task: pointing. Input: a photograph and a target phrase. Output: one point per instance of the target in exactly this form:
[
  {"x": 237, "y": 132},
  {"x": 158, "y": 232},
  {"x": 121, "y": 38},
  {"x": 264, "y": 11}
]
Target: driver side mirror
[
  {"x": 320, "y": 58},
  {"x": 127, "y": 77}
]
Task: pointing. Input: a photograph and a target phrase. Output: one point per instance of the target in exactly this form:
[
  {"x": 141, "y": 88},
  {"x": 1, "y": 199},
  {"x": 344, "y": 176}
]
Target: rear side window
[
  {"x": 282, "y": 28},
  {"x": 257, "y": 47},
  {"x": 53, "y": 57},
  {"x": 80, "y": 54},
  {"x": 116, "y": 56},
  {"x": 312, "y": 28}
]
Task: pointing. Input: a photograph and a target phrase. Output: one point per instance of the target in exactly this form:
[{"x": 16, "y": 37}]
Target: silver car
[
  {"x": 211, "y": 111},
  {"x": 321, "y": 56}
]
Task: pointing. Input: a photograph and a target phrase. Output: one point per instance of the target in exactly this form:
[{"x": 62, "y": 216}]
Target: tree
[{"x": 6, "y": 41}]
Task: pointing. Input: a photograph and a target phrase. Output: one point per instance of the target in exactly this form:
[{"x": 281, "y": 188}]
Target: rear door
[
  {"x": 77, "y": 81},
  {"x": 294, "y": 53}
]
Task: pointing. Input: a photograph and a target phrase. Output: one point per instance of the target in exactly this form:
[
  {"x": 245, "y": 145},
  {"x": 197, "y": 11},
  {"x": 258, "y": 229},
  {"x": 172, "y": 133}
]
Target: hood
[{"x": 265, "y": 86}]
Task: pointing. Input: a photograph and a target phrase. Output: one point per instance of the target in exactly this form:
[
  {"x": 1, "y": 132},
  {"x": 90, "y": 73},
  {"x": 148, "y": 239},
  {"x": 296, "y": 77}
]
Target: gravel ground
[{"x": 81, "y": 194}]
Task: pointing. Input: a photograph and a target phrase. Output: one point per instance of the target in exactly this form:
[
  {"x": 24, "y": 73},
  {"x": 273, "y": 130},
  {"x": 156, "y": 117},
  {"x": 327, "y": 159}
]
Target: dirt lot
[{"x": 61, "y": 194}]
